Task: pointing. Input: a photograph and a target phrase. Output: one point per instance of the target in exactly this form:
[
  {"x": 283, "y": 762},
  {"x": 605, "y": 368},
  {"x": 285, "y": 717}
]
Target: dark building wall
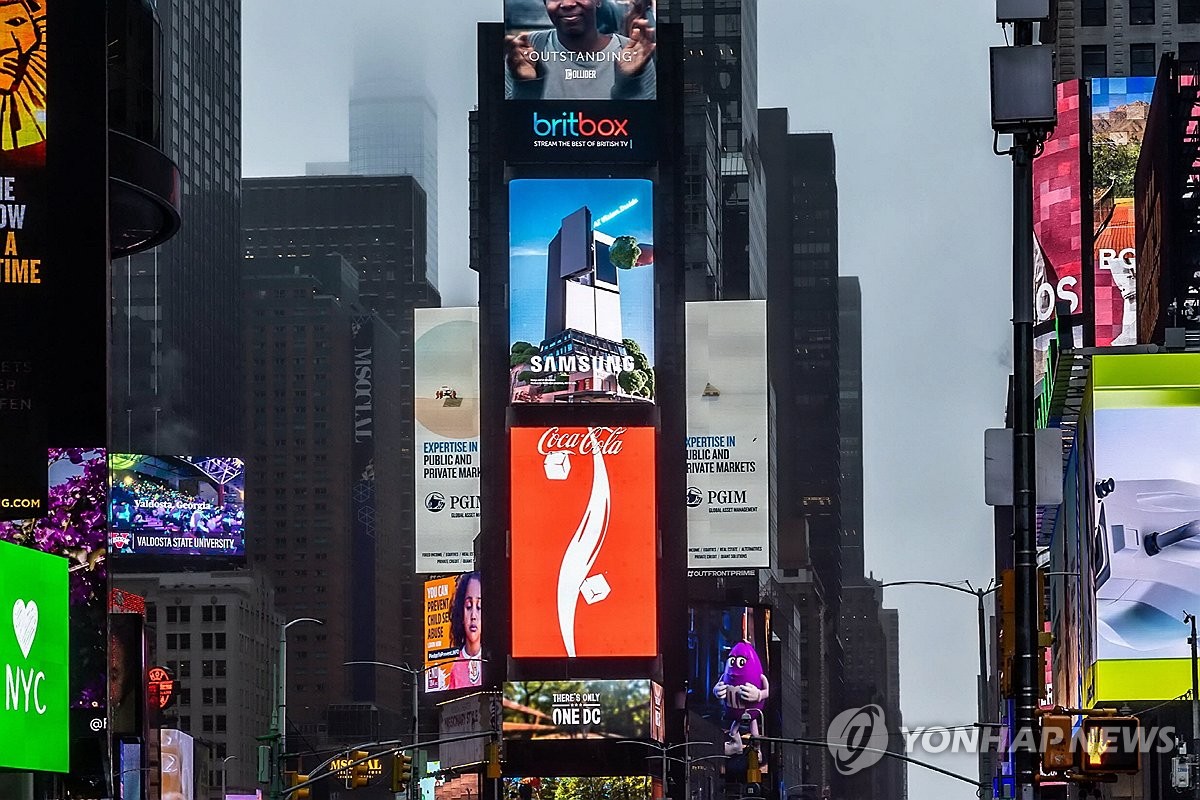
[
  {"x": 175, "y": 359},
  {"x": 1119, "y": 38},
  {"x": 850, "y": 387}
]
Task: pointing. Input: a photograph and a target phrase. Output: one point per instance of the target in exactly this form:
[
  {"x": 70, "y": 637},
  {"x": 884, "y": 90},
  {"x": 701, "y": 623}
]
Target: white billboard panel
[
  {"x": 446, "y": 446},
  {"x": 727, "y": 434}
]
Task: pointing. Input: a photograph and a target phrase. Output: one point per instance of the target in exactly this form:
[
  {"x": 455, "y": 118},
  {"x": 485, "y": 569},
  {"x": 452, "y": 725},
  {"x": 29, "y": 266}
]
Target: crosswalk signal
[
  {"x": 492, "y": 754},
  {"x": 1058, "y": 753},
  {"x": 401, "y": 772},
  {"x": 753, "y": 767},
  {"x": 1111, "y": 746},
  {"x": 358, "y": 772},
  {"x": 294, "y": 779}
]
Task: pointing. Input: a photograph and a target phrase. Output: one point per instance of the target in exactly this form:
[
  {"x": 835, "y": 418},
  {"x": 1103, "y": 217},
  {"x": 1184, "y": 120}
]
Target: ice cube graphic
[
  {"x": 595, "y": 589},
  {"x": 558, "y": 465}
]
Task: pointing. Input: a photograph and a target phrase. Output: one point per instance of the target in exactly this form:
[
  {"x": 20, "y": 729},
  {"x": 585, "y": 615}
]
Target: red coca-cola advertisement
[{"x": 583, "y": 543}]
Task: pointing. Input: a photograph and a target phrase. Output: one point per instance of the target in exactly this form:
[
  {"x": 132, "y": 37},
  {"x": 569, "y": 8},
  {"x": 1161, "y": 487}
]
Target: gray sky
[{"x": 925, "y": 222}]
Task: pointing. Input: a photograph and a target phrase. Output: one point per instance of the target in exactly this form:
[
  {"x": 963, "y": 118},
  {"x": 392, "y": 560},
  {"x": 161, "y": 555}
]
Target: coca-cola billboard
[{"x": 583, "y": 542}]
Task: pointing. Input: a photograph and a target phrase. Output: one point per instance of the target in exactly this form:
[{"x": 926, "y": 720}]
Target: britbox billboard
[
  {"x": 1120, "y": 110},
  {"x": 583, "y": 545},
  {"x": 581, "y": 273},
  {"x": 176, "y": 505},
  {"x": 589, "y": 50},
  {"x": 446, "y": 424},
  {"x": 727, "y": 434}
]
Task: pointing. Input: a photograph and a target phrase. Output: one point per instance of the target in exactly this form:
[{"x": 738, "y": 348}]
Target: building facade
[{"x": 1120, "y": 38}]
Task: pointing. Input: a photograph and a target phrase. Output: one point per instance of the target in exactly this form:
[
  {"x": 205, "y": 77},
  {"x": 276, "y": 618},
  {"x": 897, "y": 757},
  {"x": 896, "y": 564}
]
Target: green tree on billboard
[
  {"x": 1114, "y": 165},
  {"x": 631, "y": 787},
  {"x": 639, "y": 381}
]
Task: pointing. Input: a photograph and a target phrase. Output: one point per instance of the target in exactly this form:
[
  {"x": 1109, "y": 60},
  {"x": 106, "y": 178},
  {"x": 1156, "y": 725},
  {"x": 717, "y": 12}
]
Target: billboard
[
  {"x": 476, "y": 713},
  {"x": 581, "y": 275},
  {"x": 24, "y": 275},
  {"x": 583, "y": 542},
  {"x": 446, "y": 412},
  {"x": 175, "y": 764},
  {"x": 1144, "y": 435},
  {"x": 577, "y": 709},
  {"x": 585, "y": 50},
  {"x": 617, "y": 787},
  {"x": 453, "y": 632},
  {"x": 727, "y": 434},
  {"x": 35, "y": 659},
  {"x": 729, "y": 681},
  {"x": 1120, "y": 110},
  {"x": 176, "y": 505}
]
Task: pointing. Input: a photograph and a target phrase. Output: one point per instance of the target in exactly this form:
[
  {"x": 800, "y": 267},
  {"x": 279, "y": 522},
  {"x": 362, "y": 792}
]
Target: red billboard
[
  {"x": 1058, "y": 205},
  {"x": 583, "y": 543}
]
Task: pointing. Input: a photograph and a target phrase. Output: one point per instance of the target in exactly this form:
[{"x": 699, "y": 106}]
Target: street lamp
[
  {"x": 224, "y": 789},
  {"x": 280, "y": 732},
  {"x": 686, "y": 761}
]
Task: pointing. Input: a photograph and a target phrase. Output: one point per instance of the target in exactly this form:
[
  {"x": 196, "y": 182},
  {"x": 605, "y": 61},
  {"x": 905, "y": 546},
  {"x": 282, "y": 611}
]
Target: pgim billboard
[
  {"x": 581, "y": 287},
  {"x": 727, "y": 434},
  {"x": 579, "y": 50},
  {"x": 584, "y": 554},
  {"x": 446, "y": 446}
]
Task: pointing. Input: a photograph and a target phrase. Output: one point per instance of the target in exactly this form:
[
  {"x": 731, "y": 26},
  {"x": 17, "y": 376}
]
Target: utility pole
[{"x": 1194, "y": 758}]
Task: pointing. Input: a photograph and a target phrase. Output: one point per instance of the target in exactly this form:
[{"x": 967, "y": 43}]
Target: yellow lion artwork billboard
[{"x": 23, "y": 82}]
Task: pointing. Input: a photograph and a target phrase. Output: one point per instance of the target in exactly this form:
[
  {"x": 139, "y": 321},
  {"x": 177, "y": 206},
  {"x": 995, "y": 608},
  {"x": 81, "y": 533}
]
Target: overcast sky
[{"x": 925, "y": 216}]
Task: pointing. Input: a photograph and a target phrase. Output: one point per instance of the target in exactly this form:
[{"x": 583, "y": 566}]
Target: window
[
  {"x": 1141, "y": 12},
  {"x": 1189, "y": 13},
  {"x": 1141, "y": 60},
  {"x": 1189, "y": 52},
  {"x": 1094, "y": 13},
  {"x": 1094, "y": 58}
]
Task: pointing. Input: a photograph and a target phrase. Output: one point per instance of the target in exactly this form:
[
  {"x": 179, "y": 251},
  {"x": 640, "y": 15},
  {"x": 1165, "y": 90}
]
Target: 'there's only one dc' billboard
[
  {"x": 176, "y": 505},
  {"x": 1144, "y": 437},
  {"x": 727, "y": 434},
  {"x": 584, "y": 557},
  {"x": 581, "y": 276},
  {"x": 446, "y": 424}
]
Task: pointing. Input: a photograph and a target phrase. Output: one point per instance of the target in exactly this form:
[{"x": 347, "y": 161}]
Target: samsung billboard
[{"x": 727, "y": 435}]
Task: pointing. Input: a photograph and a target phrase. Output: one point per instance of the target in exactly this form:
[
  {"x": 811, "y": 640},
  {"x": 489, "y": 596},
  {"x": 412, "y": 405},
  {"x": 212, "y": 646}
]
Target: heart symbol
[{"x": 25, "y": 622}]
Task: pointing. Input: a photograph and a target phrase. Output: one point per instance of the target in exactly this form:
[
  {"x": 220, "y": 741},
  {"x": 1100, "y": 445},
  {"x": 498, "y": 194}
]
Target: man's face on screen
[{"x": 573, "y": 17}]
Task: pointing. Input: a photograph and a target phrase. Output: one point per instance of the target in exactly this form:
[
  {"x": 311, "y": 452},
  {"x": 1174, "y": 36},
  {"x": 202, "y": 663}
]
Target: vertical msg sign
[
  {"x": 23, "y": 275},
  {"x": 34, "y": 660}
]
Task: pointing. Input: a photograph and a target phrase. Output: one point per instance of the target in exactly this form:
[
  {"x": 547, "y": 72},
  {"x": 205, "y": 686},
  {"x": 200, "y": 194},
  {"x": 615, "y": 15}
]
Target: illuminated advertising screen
[
  {"x": 1145, "y": 554},
  {"x": 581, "y": 273},
  {"x": 727, "y": 434},
  {"x": 577, "y": 709},
  {"x": 176, "y": 505},
  {"x": 35, "y": 659},
  {"x": 1120, "y": 109},
  {"x": 730, "y": 678},
  {"x": 453, "y": 632},
  {"x": 585, "y": 50},
  {"x": 446, "y": 411},
  {"x": 24, "y": 274},
  {"x": 175, "y": 765},
  {"x": 583, "y": 542},
  {"x": 621, "y": 787}
]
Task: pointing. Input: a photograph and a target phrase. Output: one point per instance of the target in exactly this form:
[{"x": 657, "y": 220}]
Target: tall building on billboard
[
  {"x": 175, "y": 351},
  {"x": 803, "y": 369},
  {"x": 1120, "y": 38},
  {"x": 217, "y": 635},
  {"x": 323, "y": 371},
  {"x": 721, "y": 81}
]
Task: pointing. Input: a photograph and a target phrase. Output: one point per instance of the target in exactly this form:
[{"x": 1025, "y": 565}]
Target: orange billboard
[{"x": 583, "y": 543}]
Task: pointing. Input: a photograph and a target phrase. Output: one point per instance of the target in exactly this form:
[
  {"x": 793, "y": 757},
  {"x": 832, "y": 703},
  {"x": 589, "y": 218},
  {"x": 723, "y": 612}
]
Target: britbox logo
[{"x": 575, "y": 125}]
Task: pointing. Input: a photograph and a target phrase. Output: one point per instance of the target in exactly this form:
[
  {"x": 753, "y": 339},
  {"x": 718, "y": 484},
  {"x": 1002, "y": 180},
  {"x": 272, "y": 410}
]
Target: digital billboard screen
[
  {"x": 1145, "y": 555},
  {"x": 727, "y": 434},
  {"x": 453, "y": 632},
  {"x": 176, "y": 505},
  {"x": 1120, "y": 110},
  {"x": 577, "y": 709},
  {"x": 584, "y": 555},
  {"x": 446, "y": 421},
  {"x": 581, "y": 275},
  {"x": 579, "y": 50}
]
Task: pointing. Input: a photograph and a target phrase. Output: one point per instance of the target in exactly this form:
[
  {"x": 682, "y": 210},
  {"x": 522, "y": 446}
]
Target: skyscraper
[
  {"x": 175, "y": 355},
  {"x": 721, "y": 65},
  {"x": 1120, "y": 38}
]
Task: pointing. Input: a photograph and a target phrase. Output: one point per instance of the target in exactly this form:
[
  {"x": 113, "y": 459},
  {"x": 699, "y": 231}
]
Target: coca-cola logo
[{"x": 605, "y": 441}]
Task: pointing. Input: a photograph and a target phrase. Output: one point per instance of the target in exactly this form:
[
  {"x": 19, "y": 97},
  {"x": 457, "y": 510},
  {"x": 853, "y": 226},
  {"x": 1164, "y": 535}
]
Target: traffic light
[
  {"x": 303, "y": 793},
  {"x": 358, "y": 772},
  {"x": 492, "y": 754},
  {"x": 753, "y": 768},
  {"x": 401, "y": 771},
  {"x": 1057, "y": 748},
  {"x": 1111, "y": 746}
]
